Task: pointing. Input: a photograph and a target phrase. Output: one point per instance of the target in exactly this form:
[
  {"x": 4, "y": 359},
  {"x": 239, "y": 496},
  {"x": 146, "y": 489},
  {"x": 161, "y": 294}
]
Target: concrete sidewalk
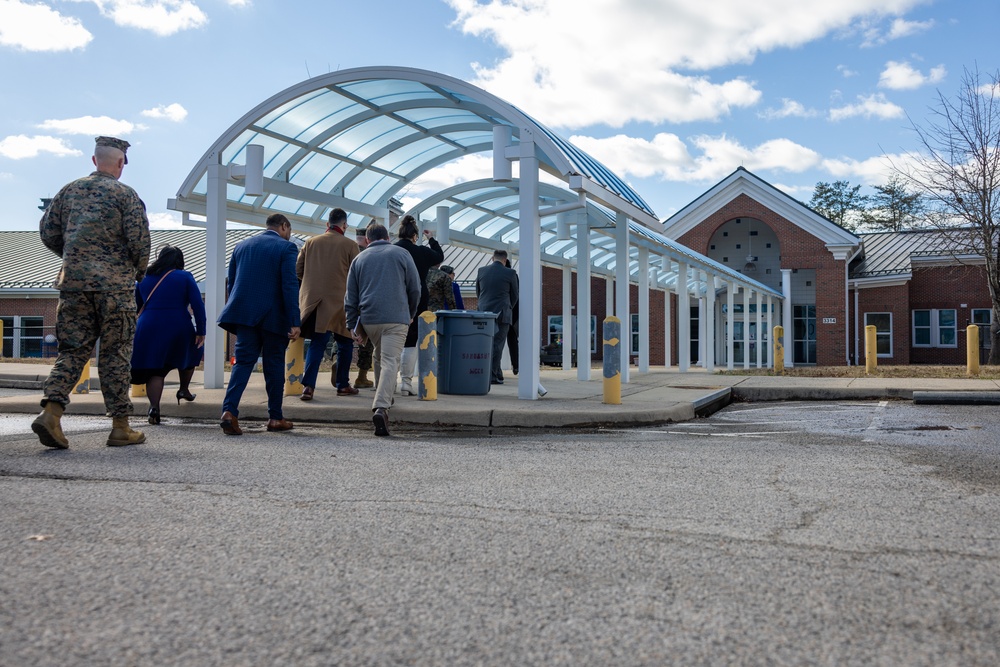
[{"x": 657, "y": 397}]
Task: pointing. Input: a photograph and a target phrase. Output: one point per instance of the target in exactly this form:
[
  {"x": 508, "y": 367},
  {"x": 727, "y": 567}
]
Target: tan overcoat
[{"x": 322, "y": 267}]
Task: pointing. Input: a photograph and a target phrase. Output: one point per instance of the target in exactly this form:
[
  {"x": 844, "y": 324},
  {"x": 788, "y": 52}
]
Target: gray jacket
[
  {"x": 383, "y": 286},
  {"x": 497, "y": 289}
]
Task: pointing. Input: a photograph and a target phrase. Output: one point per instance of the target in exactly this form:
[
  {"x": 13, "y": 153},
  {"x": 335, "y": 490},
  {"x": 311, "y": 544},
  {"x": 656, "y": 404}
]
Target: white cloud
[
  {"x": 20, "y": 146},
  {"x": 92, "y": 125},
  {"x": 875, "y": 34},
  {"x": 789, "y": 108},
  {"x": 871, "y": 171},
  {"x": 580, "y": 63},
  {"x": 669, "y": 158},
  {"x": 873, "y": 106},
  {"x": 162, "y": 17},
  {"x": 165, "y": 220},
  {"x": 846, "y": 71},
  {"x": 903, "y": 28},
  {"x": 6, "y": 176},
  {"x": 901, "y": 76},
  {"x": 173, "y": 112},
  {"x": 238, "y": 3},
  {"x": 37, "y": 27},
  {"x": 466, "y": 168}
]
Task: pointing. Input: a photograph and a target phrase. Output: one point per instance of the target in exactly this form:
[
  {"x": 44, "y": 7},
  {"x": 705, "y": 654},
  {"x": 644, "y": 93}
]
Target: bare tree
[
  {"x": 893, "y": 207},
  {"x": 958, "y": 172}
]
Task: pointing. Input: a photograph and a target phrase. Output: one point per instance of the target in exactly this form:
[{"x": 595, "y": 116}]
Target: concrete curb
[
  {"x": 956, "y": 397},
  {"x": 763, "y": 394}
]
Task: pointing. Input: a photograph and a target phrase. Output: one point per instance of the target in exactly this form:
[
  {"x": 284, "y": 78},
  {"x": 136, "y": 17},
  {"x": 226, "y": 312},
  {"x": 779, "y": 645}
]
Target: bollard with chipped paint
[
  {"x": 612, "y": 361},
  {"x": 871, "y": 349},
  {"x": 83, "y": 384},
  {"x": 295, "y": 366},
  {"x": 427, "y": 344},
  {"x": 138, "y": 391},
  {"x": 972, "y": 350},
  {"x": 779, "y": 350}
]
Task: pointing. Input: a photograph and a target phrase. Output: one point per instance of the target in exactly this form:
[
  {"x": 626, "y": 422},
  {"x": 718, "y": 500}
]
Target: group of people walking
[{"x": 150, "y": 318}]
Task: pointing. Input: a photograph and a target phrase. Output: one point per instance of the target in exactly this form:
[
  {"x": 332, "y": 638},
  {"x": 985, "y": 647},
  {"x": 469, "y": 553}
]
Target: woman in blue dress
[{"x": 165, "y": 337}]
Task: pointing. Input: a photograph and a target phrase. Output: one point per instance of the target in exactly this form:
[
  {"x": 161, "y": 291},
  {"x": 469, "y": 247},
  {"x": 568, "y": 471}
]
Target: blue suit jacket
[{"x": 263, "y": 288}]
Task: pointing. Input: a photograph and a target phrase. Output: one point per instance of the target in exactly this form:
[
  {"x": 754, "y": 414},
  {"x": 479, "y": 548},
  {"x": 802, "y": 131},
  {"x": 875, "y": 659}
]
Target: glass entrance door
[{"x": 804, "y": 334}]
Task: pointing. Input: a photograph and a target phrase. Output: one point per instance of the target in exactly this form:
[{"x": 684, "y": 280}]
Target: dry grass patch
[{"x": 985, "y": 373}]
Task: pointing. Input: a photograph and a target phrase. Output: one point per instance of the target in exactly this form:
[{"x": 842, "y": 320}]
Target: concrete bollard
[
  {"x": 83, "y": 384},
  {"x": 427, "y": 345},
  {"x": 972, "y": 349},
  {"x": 779, "y": 350},
  {"x": 871, "y": 349},
  {"x": 138, "y": 391},
  {"x": 612, "y": 361},
  {"x": 295, "y": 365}
]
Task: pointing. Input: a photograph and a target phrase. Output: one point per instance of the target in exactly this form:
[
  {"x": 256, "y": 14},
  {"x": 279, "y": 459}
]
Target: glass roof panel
[
  {"x": 350, "y": 139},
  {"x": 407, "y": 157},
  {"x": 288, "y": 106},
  {"x": 379, "y": 142},
  {"x": 385, "y": 91},
  {"x": 361, "y": 185},
  {"x": 312, "y": 115},
  {"x": 237, "y": 145},
  {"x": 332, "y": 179},
  {"x": 469, "y": 138},
  {"x": 433, "y": 117},
  {"x": 311, "y": 171}
]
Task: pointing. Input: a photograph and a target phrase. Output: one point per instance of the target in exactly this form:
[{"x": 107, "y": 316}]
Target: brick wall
[
  {"x": 799, "y": 250},
  {"x": 895, "y": 300},
  {"x": 948, "y": 287}
]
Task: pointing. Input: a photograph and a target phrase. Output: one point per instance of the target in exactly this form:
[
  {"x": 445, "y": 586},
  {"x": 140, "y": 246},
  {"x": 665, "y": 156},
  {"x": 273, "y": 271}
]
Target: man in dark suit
[
  {"x": 497, "y": 289},
  {"x": 262, "y": 309}
]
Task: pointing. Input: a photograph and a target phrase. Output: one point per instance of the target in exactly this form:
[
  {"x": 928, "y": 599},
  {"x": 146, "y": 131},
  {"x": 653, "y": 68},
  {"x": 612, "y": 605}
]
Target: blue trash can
[{"x": 465, "y": 351}]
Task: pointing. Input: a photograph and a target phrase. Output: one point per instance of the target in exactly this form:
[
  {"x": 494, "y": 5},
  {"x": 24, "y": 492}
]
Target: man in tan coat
[{"x": 322, "y": 268}]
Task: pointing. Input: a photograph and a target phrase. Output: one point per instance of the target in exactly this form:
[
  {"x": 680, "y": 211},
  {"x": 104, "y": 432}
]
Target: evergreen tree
[
  {"x": 893, "y": 207},
  {"x": 840, "y": 202}
]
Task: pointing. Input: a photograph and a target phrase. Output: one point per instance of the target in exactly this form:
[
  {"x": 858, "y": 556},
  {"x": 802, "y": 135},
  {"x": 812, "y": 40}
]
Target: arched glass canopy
[{"x": 355, "y": 139}]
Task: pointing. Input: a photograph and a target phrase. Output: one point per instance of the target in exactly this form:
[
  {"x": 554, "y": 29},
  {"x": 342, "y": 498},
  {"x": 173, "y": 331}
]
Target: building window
[
  {"x": 804, "y": 334},
  {"x": 982, "y": 316},
  {"x": 24, "y": 337},
  {"x": 935, "y": 328},
  {"x": 555, "y": 332},
  {"x": 883, "y": 332}
]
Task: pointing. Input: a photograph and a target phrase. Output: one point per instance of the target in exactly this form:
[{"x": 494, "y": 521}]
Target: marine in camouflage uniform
[
  {"x": 440, "y": 295},
  {"x": 99, "y": 227}
]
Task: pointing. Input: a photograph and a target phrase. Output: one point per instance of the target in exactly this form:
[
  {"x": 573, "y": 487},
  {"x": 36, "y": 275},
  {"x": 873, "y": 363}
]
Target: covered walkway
[{"x": 357, "y": 138}]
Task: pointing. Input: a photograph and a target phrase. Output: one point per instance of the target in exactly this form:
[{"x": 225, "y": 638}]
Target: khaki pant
[{"x": 388, "y": 342}]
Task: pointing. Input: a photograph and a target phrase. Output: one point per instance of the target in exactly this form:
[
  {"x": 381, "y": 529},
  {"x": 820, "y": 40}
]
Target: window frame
[
  {"x": 934, "y": 327},
  {"x": 882, "y": 335}
]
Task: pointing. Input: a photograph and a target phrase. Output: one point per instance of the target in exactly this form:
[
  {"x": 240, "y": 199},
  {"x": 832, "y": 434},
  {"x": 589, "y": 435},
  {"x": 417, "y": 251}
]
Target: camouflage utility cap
[{"x": 113, "y": 142}]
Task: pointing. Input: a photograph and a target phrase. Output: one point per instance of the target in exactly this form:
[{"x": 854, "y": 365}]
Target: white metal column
[
  {"x": 730, "y": 325},
  {"x": 786, "y": 314},
  {"x": 667, "y": 333},
  {"x": 770, "y": 331},
  {"x": 529, "y": 271},
  {"x": 643, "y": 310},
  {"x": 746, "y": 328},
  {"x": 683, "y": 319},
  {"x": 622, "y": 260},
  {"x": 215, "y": 273},
  {"x": 760, "y": 332},
  {"x": 567, "y": 318},
  {"x": 709, "y": 316},
  {"x": 583, "y": 332}
]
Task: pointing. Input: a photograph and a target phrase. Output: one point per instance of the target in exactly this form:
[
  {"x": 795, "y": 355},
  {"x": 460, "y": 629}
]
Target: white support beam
[
  {"x": 760, "y": 332},
  {"x": 786, "y": 314},
  {"x": 215, "y": 275},
  {"x": 529, "y": 272},
  {"x": 770, "y": 331},
  {"x": 643, "y": 350},
  {"x": 583, "y": 330},
  {"x": 709, "y": 316},
  {"x": 746, "y": 328},
  {"x": 730, "y": 325},
  {"x": 299, "y": 193},
  {"x": 683, "y": 319},
  {"x": 567, "y": 318},
  {"x": 579, "y": 183},
  {"x": 667, "y": 332}
]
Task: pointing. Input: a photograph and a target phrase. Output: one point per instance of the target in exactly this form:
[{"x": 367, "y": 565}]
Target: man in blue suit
[{"x": 262, "y": 309}]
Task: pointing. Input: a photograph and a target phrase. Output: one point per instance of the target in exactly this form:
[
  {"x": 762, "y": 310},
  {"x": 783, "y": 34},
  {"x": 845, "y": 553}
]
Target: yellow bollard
[
  {"x": 612, "y": 361},
  {"x": 972, "y": 349},
  {"x": 779, "y": 350},
  {"x": 83, "y": 384},
  {"x": 138, "y": 391},
  {"x": 427, "y": 345},
  {"x": 871, "y": 349},
  {"x": 295, "y": 365}
]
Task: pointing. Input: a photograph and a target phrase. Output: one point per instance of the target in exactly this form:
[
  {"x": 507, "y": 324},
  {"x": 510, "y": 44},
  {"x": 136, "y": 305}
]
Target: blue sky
[{"x": 671, "y": 94}]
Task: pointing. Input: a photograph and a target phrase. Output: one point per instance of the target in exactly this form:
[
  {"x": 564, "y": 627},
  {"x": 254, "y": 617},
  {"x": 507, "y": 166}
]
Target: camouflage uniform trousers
[
  {"x": 82, "y": 318},
  {"x": 365, "y": 356}
]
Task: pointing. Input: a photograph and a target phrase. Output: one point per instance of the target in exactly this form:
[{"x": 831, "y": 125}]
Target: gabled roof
[
  {"x": 893, "y": 253},
  {"x": 26, "y": 264},
  {"x": 743, "y": 182}
]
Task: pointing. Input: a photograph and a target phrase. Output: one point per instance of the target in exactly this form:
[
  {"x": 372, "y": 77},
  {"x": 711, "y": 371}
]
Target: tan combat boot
[
  {"x": 48, "y": 428},
  {"x": 362, "y": 382},
  {"x": 122, "y": 434}
]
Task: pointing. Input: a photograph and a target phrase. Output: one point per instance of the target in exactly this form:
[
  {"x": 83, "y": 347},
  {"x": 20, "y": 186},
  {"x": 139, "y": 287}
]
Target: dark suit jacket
[
  {"x": 263, "y": 289},
  {"x": 497, "y": 289}
]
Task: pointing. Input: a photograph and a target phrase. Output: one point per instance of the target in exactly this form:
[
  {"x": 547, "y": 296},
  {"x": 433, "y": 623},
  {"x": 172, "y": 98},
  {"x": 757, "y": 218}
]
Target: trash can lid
[{"x": 477, "y": 314}]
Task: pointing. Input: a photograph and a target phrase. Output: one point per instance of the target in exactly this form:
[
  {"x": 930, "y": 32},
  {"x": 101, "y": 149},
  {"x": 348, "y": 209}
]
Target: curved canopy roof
[{"x": 357, "y": 138}]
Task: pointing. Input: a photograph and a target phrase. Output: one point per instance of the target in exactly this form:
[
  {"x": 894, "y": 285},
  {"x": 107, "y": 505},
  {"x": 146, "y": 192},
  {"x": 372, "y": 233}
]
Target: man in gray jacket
[
  {"x": 497, "y": 290},
  {"x": 383, "y": 291}
]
